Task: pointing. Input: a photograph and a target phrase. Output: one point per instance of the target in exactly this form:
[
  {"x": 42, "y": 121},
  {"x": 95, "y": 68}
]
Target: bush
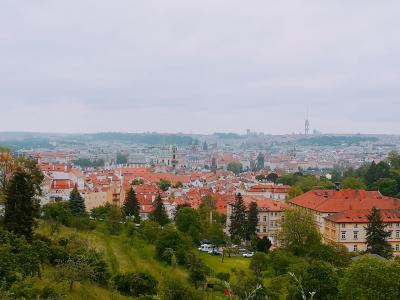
[
  {"x": 149, "y": 231},
  {"x": 100, "y": 212},
  {"x": 173, "y": 288},
  {"x": 82, "y": 223},
  {"x": 280, "y": 261},
  {"x": 223, "y": 276},
  {"x": 58, "y": 212},
  {"x": 135, "y": 284},
  {"x": 113, "y": 220},
  {"x": 169, "y": 238},
  {"x": 168, "y": 255},
  {"x": 29, "y": 289}
]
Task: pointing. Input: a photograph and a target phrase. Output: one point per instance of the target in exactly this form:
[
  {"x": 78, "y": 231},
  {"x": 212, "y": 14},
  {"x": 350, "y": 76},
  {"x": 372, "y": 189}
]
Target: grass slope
[{"x": 130, "y": 254}]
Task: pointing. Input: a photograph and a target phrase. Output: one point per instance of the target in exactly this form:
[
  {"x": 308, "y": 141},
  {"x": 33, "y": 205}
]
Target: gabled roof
[
  {"x": 361, "y": 216},
  {"x": 332, "y": 201}
]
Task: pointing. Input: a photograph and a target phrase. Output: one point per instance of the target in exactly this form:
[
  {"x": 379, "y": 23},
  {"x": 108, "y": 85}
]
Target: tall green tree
[
  {"x": 376, "y": 235},
  {"x": 131, "y": 206},
  {"x": 238, "y": 226},
  {"x": 113, "y": 219},
  {"x": 197, "y": 270},
  {"x": 353, "y": 183},
  {"x": 235, "y": 167},
  {"x": 258, "y": 264},
  {"x": 371, "y": 278},
  {"x": 188, "y": 221},
  {"x": 319, "y": 277},
  {"x": 387, "y": 186},
  {"x": 76, "y": 202},
  {"x": 164, "y": 184},
  {"x": 376, "y": 172},
  {"x": 299, "y": 231},
  {"x": 21, "y": 208},
  {"x": 252, "y": 220},
  {"x": 159, "y": 214}
]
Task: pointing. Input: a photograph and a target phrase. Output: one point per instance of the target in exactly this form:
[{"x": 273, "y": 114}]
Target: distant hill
[
  {"x": 336, "y": 140},
  {"x": 141, "y": 138}
]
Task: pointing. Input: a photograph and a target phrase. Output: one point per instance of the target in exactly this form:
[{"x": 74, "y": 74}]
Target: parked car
[
  {"x": 248, "y": 254},
  {"x": 215, "y": 251},
  {"x": 206, "y": 247}
]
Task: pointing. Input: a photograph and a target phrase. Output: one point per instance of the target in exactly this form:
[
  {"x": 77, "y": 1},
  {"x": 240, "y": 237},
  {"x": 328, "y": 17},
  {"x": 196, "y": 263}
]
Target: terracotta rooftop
[{"x": 331, "y": 201}]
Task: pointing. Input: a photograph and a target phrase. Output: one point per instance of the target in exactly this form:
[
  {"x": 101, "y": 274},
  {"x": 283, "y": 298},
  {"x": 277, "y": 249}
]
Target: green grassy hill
[{"x": 129, "y": 254}]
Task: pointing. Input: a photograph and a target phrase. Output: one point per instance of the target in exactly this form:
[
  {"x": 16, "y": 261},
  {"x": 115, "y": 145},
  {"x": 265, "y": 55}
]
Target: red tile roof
[
  {"x": 262, "y": 188},
  {"x": 265, "y": 204},
  {"x": 361, "y": 216},
  {"x": 331, "y": 201}
]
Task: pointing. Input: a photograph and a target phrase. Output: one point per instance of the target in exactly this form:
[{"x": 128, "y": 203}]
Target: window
[
  {"x": 257, "y": 229},
  {"x": 355, "y": 235},
  {"x": 397, "y": 248},
  {"x": 355, "y": 248},
  {"x": 356, "y": 225},
  {"x": 265, "y": 228},
  {"x": 343, "y": 235},
  {"x": 271, "y": 223},
  {"x": 258, "y": 218},
  {"x": 397, "y": 224},
  {"x": 390, "y": 225},
  {"x": 390, "y": 234},
  {"x": 397, "y": 234},
  {"x": 343, "y": 225},
  {"x": 265, "y": 219}
]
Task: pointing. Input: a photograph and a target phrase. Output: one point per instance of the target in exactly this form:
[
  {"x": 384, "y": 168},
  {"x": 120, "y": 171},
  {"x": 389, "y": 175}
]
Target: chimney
[{"x": 337, "y": 186}]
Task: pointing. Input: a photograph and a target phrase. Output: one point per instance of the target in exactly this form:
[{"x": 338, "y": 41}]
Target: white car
[
  {"x": 206, "y": 247},
  {"x": 248, "y": 254}
]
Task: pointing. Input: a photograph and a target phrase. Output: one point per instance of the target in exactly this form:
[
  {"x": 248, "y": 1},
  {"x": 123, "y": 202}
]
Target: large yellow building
[
  {"x": 348, "y": 228},
  {"x": 341, "y": 215}
]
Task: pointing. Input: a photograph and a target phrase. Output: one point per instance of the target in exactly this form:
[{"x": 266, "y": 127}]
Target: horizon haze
[{"x": 199, "y": 67}]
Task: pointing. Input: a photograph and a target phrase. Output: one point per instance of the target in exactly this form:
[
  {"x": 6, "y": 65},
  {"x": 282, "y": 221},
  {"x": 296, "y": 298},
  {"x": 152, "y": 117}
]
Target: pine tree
[
  {"x": 21, "y": 207},
  {"x": 76, "y": 202},
  {"x": 159, "y": 214},
  {"x": 252, "y": 220},
  {"x": 131, "y": 206},
  {"x": 376, "y": 235},
  {"x": 238, "y": 219}
]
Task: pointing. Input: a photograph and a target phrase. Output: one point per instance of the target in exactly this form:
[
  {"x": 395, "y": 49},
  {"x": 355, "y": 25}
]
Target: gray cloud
[{"x": 199, "y": 66}]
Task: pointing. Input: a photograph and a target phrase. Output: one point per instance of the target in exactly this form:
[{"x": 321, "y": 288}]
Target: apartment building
[
  {"x": 341, "y": 215},
  {"x": 348, "y": 228}
]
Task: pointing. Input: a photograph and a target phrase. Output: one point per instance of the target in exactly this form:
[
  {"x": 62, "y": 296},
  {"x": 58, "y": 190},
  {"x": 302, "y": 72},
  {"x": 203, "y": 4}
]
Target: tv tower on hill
[{"x": 307, "y": 125}]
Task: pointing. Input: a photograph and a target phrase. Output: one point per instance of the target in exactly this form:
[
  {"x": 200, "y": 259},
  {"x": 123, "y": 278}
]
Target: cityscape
[{"x": 185, "y": 150}]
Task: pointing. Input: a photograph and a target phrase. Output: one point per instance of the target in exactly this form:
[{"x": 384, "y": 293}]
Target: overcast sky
[{"x": 199, "y": 66}]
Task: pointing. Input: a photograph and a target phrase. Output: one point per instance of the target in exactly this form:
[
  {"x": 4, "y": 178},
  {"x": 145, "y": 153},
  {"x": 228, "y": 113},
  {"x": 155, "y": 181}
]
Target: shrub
[
  {"x": 82, "y": 223},
  {"x": 173, "y": 288},
  {"x": 169, "y": 238},
  {"x": 135, "y": 284},
  {"x": 58, "y": 212},
  {"x": 223, "y": 276},
  {"x": 149, "y": 231}
]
